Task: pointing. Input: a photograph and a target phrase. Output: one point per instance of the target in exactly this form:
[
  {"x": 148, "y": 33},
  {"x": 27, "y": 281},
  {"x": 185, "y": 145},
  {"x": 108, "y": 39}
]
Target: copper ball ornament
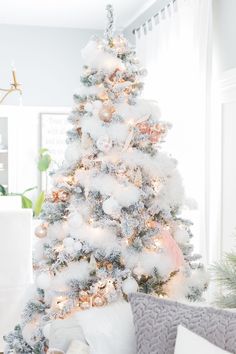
[
  {"x": 63, "y": 196},
  {"x": 151, "y": 224},
  {"x": 41, "y": 231}
]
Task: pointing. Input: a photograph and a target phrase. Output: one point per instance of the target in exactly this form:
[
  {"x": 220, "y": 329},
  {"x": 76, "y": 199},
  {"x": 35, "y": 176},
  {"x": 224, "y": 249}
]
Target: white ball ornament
[
  {"x": 43, "y": 281},
  {"x": 47, "y": 330},
  {"x": 111, "y": 207},
  {"x": 104, "y": 143},
  {"x": 129, "y": 286}
]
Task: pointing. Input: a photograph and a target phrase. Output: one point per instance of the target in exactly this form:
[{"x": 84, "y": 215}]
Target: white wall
[
  {"x": 47, "y": 60},
  {"x": 224, "y": 20}
]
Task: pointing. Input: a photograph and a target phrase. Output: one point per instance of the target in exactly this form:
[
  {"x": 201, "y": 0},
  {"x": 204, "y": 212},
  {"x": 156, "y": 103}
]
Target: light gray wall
[
  {"x": 224, "y": 21},
  {"x": 47, "y": 60}
]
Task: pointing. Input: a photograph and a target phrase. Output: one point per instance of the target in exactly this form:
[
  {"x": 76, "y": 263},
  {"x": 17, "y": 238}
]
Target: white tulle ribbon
[{"x": 131, "y": 132}]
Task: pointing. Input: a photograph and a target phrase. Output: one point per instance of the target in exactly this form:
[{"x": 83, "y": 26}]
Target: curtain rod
[{"x": 155, "y": 15}]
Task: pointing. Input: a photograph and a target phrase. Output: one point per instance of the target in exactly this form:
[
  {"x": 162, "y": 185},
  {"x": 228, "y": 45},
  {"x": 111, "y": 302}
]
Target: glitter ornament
[
  {"x": 111, "y": 207},
  {"x": 105, "y": 113},
  {"x": 104, "y": 143},
  {"x": 129, "y": 286},
  {"x": 41, "y": 231}
]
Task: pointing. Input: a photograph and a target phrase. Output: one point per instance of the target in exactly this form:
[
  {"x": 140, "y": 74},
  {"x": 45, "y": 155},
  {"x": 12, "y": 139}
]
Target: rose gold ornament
[
  {"x": 103, "y": 96},
  {"x": 105, "y": 113},
  {"x": 98, "y": 300},
  {"x": 41, "y": 231},
  {"x": 144, "y": 128}
]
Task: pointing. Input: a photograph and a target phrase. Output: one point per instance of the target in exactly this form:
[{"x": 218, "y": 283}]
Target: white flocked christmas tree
[{"x": 111, "y": 224}]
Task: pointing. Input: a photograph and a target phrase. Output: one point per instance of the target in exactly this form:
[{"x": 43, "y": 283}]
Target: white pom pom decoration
[
  {"x": 73, "y": 152},
  {"x": 57, "y": 231},
  {"x": 129, "y": 286},
  {"x": 97, "y": 104},
  {"x": 104, "y": 143},
  {"x": 68, "y": 242},
  {"x": 77, "y": 246},
  {"x": 88, "y": 107},
  {"x": 111, "y": 207},
  {"x": 75, "y": 221},
  {"x": 46, "y": 330},
  {"x": 43, "y": 281},
  {"x": 28, "y": 333}
]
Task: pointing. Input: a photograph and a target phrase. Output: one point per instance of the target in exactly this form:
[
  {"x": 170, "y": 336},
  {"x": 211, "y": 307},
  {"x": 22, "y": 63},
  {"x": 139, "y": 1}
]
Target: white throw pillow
[
  {"x": 189, "y": 342},
  {"x": 109, "y": 329},
  {"x": 63, "y": 332},
  {"x": 78, "y": 347}
]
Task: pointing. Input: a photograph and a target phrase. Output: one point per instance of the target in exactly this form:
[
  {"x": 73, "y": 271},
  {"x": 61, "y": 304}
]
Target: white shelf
[{"x": 3, "y": 151}]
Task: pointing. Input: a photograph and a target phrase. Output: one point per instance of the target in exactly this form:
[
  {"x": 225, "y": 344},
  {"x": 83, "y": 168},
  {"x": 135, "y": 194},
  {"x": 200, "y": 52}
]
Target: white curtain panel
[{"x": 175, "y": 48}]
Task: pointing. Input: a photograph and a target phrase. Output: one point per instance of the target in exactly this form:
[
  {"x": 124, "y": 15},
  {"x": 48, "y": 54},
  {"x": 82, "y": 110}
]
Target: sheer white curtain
[{"x": 175, "y": 49}]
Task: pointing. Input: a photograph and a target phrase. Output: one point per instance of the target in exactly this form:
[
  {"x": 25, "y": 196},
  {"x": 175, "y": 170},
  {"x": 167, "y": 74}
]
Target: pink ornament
[
  {"x": 172, "y": 248},
  {"x": 154, "y": 136},
  {"x": 144, "y": 128}
]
